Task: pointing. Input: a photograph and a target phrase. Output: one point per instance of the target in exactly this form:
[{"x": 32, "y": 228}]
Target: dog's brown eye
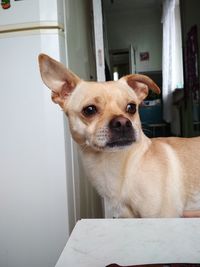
[
  {"x": 89, "y": 111},
  {"x": 131, "y": 108}
]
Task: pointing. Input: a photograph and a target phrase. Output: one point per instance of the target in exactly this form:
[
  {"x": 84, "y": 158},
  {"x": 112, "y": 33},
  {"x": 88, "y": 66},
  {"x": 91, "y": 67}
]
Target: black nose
[{"x": 120, "y": 123}]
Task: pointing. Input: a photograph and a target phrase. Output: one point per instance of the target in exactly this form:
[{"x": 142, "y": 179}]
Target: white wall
[
  {"x": 79, "y": 38},
  {"x": 81, "y": 60},
  {"x": 140, "y": 27}
]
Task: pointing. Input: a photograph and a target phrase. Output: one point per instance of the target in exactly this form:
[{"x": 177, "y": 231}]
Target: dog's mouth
[
  {"x": 120, "y": 143},
  {"x": 116, "y": 144},
  {"x": 115, "y": 140}
]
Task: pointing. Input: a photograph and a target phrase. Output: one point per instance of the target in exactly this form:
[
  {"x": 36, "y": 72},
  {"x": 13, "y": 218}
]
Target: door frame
[{"x": 99, "y": 40}]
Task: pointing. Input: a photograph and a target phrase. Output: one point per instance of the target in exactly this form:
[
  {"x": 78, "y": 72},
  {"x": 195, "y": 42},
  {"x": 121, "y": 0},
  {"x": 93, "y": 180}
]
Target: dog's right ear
[
  {"x": 141, "y": 84},
  {"x": 58, "y": 78}
]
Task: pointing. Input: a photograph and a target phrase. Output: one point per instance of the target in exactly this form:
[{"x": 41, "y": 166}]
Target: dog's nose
[{"x": 120, "y": 123}]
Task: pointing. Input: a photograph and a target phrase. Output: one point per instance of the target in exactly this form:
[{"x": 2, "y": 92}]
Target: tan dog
[{"x": 141, "y": 177}]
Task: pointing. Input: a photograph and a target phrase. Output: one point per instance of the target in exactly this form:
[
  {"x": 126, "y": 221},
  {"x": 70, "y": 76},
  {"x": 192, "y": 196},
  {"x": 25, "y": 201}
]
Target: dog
[{"x": 140, "y": 177}]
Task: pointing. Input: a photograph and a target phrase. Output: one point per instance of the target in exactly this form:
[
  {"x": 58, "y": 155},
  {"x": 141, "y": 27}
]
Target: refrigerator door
[
  {"x": 33, "y": 193},
  {"x": 32, "y": 14}
]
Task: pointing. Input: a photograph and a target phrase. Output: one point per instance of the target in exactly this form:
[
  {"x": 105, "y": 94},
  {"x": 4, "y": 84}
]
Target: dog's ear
[
  {"x": 141, "y": 85},
  {"x": 58, "y": 78}
]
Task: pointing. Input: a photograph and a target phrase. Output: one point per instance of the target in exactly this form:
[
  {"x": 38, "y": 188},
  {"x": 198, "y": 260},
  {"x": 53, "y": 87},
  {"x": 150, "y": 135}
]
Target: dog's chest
[
  {"x": 105, "y": 176},
  {"x": 108, "y": 177}
]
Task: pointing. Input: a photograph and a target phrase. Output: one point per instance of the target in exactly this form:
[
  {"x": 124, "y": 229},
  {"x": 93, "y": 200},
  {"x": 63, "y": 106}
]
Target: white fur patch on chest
[{"x": 194, "y": 202}]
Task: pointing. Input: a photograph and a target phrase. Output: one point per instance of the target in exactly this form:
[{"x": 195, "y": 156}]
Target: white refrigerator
[{"x": 35, "y": 145}]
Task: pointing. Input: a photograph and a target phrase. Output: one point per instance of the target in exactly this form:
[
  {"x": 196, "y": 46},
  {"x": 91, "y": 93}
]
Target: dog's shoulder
[
  {"x": 186, "y": 149},
  {"x": 177, "y": 141}
]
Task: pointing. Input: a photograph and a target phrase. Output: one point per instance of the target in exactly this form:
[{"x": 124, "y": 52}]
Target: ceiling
[{"x": 123, "y": 5}]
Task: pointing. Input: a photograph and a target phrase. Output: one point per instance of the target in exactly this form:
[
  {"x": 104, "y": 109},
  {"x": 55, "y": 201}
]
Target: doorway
[
  {"x": 133, "y": 44},
  {"x": 128, "y": 22}
]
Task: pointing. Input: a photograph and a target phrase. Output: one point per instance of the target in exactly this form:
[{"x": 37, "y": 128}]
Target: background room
[{"x": 158, "y": 40}]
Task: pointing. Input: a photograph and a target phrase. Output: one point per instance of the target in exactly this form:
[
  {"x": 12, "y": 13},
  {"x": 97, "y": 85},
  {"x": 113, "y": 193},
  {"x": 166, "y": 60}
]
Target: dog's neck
[{"x": 107, "y": 170}]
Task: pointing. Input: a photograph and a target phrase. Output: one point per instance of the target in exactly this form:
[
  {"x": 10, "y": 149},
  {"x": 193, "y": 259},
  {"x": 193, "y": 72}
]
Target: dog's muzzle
[{"x": 121, "y": 132}]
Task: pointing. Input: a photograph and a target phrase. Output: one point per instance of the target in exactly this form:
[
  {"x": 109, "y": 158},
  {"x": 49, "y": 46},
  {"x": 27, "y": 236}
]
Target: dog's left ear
[
  {"x": 141, "y": 85},
  {"x": 58, "y": 78}
]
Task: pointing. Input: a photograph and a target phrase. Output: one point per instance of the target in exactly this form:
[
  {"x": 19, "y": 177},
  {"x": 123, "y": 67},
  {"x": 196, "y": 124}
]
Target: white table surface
[{"x": 99, "y": 242}]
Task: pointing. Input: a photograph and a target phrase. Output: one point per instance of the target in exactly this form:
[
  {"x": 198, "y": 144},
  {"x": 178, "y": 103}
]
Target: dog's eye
[
  {"x": 131, "y": 108},
  {"x": 89, "y": 111}
]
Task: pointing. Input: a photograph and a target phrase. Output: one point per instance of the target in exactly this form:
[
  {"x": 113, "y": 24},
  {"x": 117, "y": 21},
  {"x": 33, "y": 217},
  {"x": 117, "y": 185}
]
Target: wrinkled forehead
[{"x": 87, "y": 93}]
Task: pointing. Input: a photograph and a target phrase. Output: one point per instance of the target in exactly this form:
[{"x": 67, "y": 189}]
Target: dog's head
[{"x": 102, "y": 115}]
